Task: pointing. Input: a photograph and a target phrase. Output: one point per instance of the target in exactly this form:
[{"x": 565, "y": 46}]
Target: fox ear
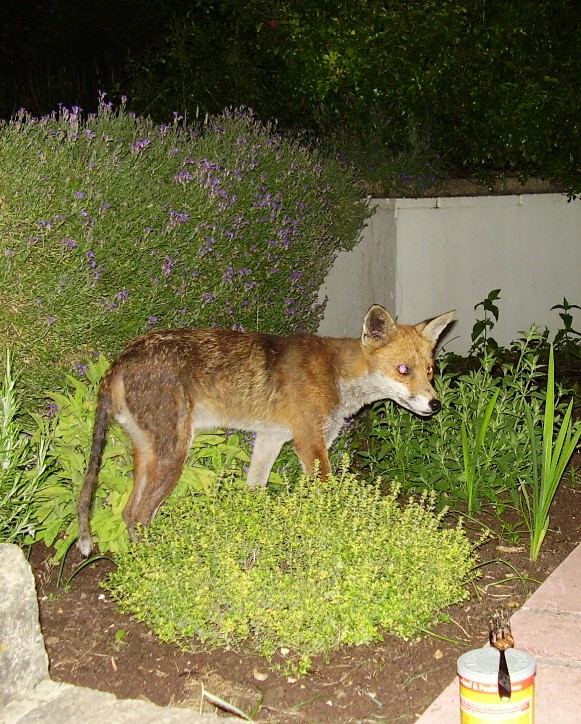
[
  {"x": 433, "y": 329},
  {"x": 378, "y": 325}
]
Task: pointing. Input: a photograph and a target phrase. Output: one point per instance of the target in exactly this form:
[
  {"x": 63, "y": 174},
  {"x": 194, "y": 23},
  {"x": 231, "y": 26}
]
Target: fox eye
[
  {"x": 430, "y": 370},
  {"x": 403, "y": 369}
]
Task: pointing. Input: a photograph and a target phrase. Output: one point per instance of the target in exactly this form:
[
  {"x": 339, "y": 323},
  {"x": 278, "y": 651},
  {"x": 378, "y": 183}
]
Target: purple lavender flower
[
  {"x": 208, "y": 297},
  {"x": 167, "y": 266},
  {"x": 207, "y": 247},
  {"x": 178, "y": 217},
  {"x": 140, "y": 145},
  {"x": 79, "y": 195},
  {"x": 206, "y": 165},
  {"x": 183, "y": 177}
]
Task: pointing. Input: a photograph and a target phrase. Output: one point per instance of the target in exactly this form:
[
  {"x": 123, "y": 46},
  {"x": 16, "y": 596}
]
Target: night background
[{"x": 475, "y": 88}]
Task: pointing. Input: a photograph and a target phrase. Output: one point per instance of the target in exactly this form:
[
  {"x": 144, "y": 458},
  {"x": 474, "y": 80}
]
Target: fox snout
[
  {"x": 424, "y": 406},
  {"x": 435, "y": 405},
  {"x": 421, "y": 404},
  {"x": 424, "y": 402}
]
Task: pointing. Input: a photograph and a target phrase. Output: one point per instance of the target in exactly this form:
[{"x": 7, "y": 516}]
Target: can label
[{"x": 480, "y": 702}]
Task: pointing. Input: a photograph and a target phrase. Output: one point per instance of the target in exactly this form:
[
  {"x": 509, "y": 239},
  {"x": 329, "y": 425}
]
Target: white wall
[
  {"x": 421, "y": 257},
  {"x": 362, "y": 277}
]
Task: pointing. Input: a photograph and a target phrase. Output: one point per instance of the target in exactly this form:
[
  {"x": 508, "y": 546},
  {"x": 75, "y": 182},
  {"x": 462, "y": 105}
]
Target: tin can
[{"x": 479, "y": 698}]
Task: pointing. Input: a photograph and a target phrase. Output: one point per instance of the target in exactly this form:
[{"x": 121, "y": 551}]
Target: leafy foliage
[
  {"x": 488, "y": 86},
  {"x": 550, "y": 456},
  {"x": 309, "y": 569},
  {"x": 484, "y": 446},
  {"x": 23, "y": 464},
  {"x": 112, "y": 225}
]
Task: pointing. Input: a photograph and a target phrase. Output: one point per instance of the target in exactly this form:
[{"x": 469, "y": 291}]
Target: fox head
[{"x": 401, "y": 358}]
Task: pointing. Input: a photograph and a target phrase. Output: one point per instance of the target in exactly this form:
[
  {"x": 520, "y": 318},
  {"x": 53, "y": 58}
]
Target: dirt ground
[{"x": 90, "y": 643}]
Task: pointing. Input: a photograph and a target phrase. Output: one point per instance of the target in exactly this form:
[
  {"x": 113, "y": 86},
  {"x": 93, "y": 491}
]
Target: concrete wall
[{"x": 421, "y": 257}]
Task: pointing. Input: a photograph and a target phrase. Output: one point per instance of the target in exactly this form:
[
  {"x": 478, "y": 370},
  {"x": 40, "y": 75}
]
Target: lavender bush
[{"x": 111, "y": 225}]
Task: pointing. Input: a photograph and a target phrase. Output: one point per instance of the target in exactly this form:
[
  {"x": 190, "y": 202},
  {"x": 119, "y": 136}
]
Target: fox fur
[{"x": 170, "y": 384}]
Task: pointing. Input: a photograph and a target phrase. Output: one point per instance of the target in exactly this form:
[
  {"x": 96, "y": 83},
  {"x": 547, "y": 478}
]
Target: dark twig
[{"x": 501, "y": 638}]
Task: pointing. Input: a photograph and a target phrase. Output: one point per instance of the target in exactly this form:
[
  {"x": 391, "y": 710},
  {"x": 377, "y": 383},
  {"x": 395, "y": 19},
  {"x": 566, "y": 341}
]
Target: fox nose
[{"x": 435, "y": 405}]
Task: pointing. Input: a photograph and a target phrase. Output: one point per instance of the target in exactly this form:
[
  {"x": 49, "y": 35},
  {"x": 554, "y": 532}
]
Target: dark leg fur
[
  {"x": 162, "y": 435},
  {"x": 102, "y": 421},
  {"x": 155, "y": 478},
  {"x": 311, "y": 447}
]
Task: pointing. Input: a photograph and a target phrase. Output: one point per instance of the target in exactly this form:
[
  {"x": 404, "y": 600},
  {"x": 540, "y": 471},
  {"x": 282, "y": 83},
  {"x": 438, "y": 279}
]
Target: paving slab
[
  {"x": 562, "y": 589},
  {"x": 445, "y": 709},
  {"x": 548, "y": 635}
]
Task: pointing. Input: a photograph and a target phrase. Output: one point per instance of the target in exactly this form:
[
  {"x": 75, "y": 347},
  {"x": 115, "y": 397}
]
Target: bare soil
[{"x": 90, "y": 643}]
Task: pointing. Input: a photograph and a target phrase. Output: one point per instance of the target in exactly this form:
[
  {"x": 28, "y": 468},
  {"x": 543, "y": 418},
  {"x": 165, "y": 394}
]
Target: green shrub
[
  {"x": 491, "y": 87},
  {"x": 111, "y": 225},
  {"x": 312, "y": 568},
  {"x": 23, "y": 465}
]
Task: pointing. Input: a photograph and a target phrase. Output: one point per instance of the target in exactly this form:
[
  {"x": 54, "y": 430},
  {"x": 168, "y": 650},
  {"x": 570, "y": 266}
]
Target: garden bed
[{"x": 90, "y": 643}]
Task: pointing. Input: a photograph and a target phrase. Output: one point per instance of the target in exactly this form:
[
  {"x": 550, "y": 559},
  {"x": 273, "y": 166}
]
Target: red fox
[{"x": 167, "y": 385}]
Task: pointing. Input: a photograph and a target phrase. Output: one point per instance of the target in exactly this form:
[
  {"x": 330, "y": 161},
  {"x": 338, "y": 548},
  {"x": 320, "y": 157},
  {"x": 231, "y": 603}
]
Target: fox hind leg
[
  {"x": 161, "y": 437},
  {"x": 155, "y": 476}
]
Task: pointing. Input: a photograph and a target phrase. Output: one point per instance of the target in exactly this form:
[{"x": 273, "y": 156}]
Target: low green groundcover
[{"x": 306, "y": 569}]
